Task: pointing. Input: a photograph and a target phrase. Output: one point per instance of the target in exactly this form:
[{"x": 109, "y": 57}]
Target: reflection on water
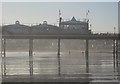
[{"x": 101, "y": 67}]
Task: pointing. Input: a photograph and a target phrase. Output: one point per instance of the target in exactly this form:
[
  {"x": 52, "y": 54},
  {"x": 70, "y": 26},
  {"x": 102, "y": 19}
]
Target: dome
[{"x": 16, "y": 28}]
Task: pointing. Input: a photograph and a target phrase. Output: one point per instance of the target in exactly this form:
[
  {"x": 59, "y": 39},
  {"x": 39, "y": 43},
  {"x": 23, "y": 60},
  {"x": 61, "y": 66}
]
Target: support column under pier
[
  {"x": 87, "y": 56},
  {"x": 116, "y": 52},
  {"x": 114, "y": 55},
  {"x": 31, "y": 56},
  {"x": 58, "y": 54},
  {"x": 3, "y": 55}
]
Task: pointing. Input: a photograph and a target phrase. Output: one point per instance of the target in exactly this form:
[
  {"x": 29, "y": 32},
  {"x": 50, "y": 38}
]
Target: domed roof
[
  {"x": 15, "y": 29},
  {"x": 45, "y": 25},
  {"x": 16, "y": 25}
]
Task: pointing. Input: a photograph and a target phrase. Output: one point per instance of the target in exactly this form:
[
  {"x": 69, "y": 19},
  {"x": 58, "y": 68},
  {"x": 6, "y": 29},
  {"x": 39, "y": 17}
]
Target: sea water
[{"x": 101, "y": 66}]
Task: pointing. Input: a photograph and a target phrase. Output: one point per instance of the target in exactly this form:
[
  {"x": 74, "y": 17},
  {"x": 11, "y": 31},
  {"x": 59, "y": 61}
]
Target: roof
[
  {"x": 16, "y": 25},
  {"x": 45, "y": 25},
  {"x": 73, "y": 21}
]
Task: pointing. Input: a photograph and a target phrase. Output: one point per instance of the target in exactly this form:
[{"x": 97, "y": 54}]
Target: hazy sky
[
  {"x": 59, "y": 0},
  {"x": 103, "y": 15}
]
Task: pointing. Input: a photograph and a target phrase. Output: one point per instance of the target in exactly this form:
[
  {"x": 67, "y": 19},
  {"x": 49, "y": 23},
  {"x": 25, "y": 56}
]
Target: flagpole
[
  {"x": 87, "y": 15},
  {"x": 59, "y": 16}
]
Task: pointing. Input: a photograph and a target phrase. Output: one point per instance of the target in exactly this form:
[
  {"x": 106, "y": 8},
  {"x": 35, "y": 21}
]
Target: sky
[
  {"x": 103, "y": 15},
  {"x": 59, "y": 0},
  {"x": 119, "y": 17}
]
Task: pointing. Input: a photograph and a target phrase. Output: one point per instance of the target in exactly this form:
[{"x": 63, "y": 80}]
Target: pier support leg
[
  {"x": 87, "y": 56},
  {"x": 114, "y": 58},
  {"x": 59, "y": 72},
  {"x": 3, "y": 54},
  {"x": 31, "y": 56},
  {"x": 117, "y": 53}
]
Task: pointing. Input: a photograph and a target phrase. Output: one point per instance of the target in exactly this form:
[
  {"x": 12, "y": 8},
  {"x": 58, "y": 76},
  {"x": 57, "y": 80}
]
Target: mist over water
[{"x": 47, "y": 45}]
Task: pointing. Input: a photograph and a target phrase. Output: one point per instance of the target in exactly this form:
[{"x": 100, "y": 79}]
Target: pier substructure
[
  {"x": 31, "y": 56},
  {"x": 116, "y": 52},
  {"x": 59, "y": 72},
  {"x": 87, "y": 56},
  {"x": 3, "y": 54},
  {"x": 114, "y": 55}
]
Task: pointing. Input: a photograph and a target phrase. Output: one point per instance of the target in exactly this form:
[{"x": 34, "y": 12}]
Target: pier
[{"x": 18, "y": 31}]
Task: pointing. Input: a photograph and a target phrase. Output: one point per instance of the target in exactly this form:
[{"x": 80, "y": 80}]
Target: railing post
[
  {"x": 87, "y": 56},
  {"x": 59, "y": 72},
  {"x": 31, "y": 56}
]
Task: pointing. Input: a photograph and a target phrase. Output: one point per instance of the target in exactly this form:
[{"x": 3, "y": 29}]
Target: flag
[
  {"x": 88, "y": 11},
  {"x": 59, "y": 12},
  {"x": 90, "y": 25}
]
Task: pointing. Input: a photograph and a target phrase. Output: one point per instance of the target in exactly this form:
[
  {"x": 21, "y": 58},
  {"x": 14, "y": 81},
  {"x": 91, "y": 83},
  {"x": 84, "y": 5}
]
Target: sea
[{"x": 101, "y": 65}]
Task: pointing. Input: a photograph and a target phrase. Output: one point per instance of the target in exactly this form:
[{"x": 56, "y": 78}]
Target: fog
[{"x": 45, "y": 45}]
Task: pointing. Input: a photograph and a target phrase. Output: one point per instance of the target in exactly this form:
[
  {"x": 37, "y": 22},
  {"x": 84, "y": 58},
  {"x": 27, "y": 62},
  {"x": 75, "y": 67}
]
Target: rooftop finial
[
  {"x": 17, "y": 22},
  {"x": 44, "y": 22},
  {"x": 73, "y": 19}
]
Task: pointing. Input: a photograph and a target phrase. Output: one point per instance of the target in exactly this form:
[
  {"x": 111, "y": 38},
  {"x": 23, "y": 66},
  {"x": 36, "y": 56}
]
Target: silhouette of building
[
  {"x": 44, "y": 29},
  {"x": 15, "y": 29},
  {"x": 75, "y": 27},
  {"x": 66, "y": 27}
]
